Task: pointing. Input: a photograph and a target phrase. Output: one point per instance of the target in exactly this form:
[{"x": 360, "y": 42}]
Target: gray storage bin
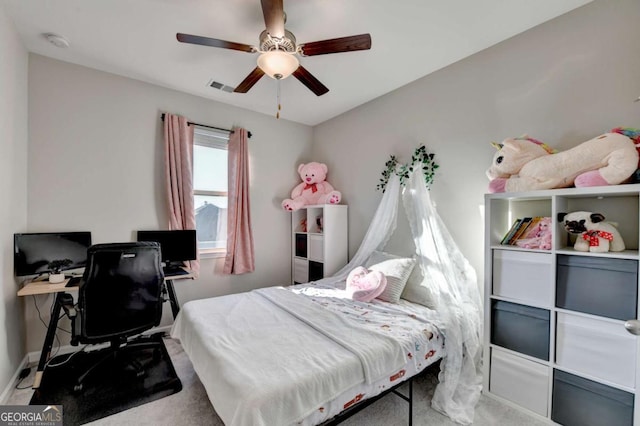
[
  {"x": 581, "y": 402},
  {"x": 520, "y": 328},
  {"x": 316, "y": 270},
  {"x": 596, "y": 285},
  {"x": 301, "y": 245}
]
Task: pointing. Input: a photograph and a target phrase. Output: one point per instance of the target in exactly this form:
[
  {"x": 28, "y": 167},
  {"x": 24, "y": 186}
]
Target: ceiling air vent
[{"x": 220, "y": 86}]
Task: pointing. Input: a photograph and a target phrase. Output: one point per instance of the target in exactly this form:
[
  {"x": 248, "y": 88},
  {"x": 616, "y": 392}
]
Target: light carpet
[{"x": 192, "y": 407}]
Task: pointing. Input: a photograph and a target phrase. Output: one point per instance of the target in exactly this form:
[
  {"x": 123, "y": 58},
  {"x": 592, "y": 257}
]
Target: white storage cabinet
[
  {"x": 319, "y": 241},
  {"x": 555, "y": 343}
]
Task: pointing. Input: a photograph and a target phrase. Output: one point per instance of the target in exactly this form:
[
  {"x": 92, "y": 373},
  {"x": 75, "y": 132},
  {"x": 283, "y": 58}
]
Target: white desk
[{"x": 45, "y": 287}]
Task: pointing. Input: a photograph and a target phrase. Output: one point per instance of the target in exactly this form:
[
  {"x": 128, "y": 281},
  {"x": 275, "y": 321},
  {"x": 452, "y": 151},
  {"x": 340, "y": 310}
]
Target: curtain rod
[{"x": 209, "y": 127}]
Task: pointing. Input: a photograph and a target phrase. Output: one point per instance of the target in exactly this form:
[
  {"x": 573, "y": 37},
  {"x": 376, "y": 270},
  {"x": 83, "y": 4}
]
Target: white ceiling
[{"x": 410, "y": 39}]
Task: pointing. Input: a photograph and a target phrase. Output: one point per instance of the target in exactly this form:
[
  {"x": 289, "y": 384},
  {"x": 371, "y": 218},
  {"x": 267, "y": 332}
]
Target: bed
[{"x": 301, "y": 355}]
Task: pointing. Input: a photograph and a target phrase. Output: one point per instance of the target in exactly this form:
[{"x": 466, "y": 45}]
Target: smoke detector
[{"x": 57, "y": 40}]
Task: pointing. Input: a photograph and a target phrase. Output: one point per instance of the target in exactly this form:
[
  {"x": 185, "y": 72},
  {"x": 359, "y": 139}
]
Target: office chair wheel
[{"x": 77, "y": 387}]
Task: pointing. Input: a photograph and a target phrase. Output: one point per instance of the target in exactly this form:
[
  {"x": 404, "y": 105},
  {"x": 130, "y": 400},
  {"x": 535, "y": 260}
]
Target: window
[{"x": 210, "y": 188}]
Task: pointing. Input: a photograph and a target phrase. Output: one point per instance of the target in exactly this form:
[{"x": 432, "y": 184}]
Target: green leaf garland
[{"x": 420, "y": 158}]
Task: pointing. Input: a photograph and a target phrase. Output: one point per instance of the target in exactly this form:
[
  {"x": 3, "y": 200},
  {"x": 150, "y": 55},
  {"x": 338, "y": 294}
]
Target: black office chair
[{"x": 120, "y": 295}]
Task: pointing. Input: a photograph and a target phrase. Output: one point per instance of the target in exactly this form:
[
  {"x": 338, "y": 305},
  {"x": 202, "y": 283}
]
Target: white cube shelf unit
[
  {"x": 555, "y": 344},
  {"x": 319, "y": 241}
]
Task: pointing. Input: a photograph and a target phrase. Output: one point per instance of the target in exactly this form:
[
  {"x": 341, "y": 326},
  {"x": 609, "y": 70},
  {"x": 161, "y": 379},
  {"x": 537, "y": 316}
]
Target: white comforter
[{"x": 271, "y": 356}]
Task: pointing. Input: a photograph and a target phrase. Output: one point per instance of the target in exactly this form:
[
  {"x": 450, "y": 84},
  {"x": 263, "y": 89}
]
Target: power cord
[
  {"x": 35, "y": 303},
  {"x": 23, "y": 375},
  {"x": 71, "y": 355},
  {"x": 26, "y": 371},
  {"x": 57, "y": 349}
]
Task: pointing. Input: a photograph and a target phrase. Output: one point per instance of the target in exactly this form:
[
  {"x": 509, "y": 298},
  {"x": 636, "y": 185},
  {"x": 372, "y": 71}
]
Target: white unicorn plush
[{"x": 525, "y": 164}]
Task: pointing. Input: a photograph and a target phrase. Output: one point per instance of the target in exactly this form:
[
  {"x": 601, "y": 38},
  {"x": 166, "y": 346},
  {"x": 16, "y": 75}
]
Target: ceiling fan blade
[
  {"x": 249, "y": 81},
  {"x": 337, "y": 45},
  {"x": 310, "y": 81},
  {"x": 214, "y": 42},
  {"x": 273, "y": 12}
]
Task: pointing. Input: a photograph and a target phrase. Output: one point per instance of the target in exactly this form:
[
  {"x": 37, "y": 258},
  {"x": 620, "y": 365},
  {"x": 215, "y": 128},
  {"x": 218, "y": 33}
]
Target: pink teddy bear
[
  {"x": 539, "y": 237},
  {"x": 314, "y": 189}
]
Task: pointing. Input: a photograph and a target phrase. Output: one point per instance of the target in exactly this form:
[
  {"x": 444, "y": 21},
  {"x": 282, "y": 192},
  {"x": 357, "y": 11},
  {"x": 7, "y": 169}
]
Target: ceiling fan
[{"x": 278, "y": 50}]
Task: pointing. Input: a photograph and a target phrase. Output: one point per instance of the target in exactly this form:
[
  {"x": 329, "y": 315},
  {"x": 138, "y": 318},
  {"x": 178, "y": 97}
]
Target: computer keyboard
[{"x": 172, "y": 271}]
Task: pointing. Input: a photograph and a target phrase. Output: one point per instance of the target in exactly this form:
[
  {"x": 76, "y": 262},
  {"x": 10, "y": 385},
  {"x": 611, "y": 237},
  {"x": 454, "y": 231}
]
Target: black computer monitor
[
  {"x": 32, "y": 252},
  {"x": 176, "y": 246}
]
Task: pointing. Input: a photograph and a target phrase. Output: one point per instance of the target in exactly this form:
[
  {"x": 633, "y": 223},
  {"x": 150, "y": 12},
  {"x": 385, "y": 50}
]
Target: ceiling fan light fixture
[{"x": 278, "y": 64}]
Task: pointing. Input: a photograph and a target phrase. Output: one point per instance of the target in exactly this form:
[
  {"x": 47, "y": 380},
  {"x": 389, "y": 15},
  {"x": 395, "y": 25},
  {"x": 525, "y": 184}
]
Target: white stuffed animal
[
  {"x": 525, "y": 164},
  {"x": 593, "y": 233}
]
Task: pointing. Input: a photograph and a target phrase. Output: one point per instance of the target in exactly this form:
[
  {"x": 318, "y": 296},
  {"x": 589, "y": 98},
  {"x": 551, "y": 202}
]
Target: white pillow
[
  {"x": 417, "y": 290},
  {"x": 396, "y": 269}
]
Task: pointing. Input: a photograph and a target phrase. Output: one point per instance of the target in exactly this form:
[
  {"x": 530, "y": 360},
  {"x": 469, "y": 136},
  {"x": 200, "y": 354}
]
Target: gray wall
[
  {"x": 96, "y": 164},
  {"x": 94, "y": 159},
  {"x": 563, "y": 82},
  {"x": 13, "y": 191}
]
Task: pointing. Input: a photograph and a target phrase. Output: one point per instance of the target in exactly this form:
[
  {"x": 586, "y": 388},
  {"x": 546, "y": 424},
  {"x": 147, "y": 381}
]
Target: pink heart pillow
[{"x": 364, "y": 285}]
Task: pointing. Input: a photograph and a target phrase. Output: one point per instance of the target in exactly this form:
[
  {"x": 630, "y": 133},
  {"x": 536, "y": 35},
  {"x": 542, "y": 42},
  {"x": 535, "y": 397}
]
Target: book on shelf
[
  {"x": 524, "y": 223},
  {"x": 524, "y": 228},
  {"x": 532, "y": 229},
  {"x": 510, "y": 232}
]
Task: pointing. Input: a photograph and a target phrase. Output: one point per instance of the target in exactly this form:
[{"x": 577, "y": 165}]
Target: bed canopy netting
[
  {"x": 335, "y": 351},
  {"x": 450, "y": 280}
]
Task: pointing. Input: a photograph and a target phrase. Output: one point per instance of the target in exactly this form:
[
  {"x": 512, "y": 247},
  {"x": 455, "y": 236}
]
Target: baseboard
[
  {"x": 32, "y": 358},
  {"x": 4, "y": 397}
]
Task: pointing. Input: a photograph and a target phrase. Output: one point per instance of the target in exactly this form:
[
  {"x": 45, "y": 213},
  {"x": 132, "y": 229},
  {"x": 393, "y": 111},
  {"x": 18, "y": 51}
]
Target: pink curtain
[
  {"x": 178, "y": 149},
  {"x": 240, "y": 254}
]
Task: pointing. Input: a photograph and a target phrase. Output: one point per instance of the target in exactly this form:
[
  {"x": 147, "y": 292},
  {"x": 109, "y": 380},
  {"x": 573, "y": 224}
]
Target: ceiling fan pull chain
[{"x": 278, "y": 98}]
